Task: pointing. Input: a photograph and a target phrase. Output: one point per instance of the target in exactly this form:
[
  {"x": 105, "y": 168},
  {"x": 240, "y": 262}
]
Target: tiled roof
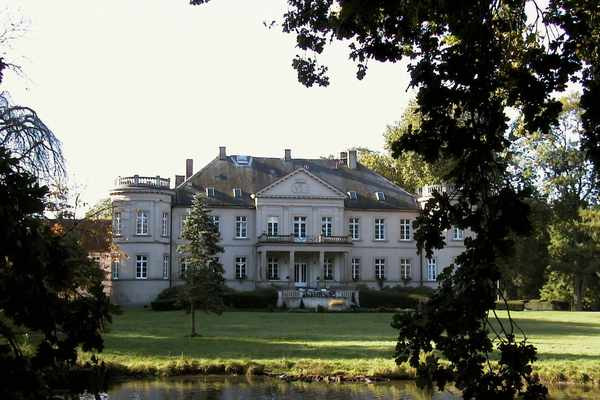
[{"x": 224, "y": 175}]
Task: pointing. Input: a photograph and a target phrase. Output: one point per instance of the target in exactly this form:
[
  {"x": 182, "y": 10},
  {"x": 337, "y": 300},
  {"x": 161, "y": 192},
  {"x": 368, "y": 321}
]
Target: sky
[{"x": 137, "y": 86}]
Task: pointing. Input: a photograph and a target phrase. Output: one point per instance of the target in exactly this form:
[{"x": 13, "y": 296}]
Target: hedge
[
  {"x": 554, "y": 305},
  {"x": 390, "y": 298},
  {"x": 513, "y": 305},
  {"x": 167, "y": 300}
]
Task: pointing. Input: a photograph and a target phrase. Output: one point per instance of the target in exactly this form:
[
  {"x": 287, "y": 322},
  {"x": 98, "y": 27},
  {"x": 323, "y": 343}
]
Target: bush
[
  {"x": 513, "y": 305},
  {"x": 541, "y": 305},
  {"x": 390, "y": 298},
  {"x": 256, "y": 299},
  {"x": 167, "y": 300}
]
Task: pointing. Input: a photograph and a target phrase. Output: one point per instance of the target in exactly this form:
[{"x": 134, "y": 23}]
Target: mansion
[{"x": 284, "y": 222}]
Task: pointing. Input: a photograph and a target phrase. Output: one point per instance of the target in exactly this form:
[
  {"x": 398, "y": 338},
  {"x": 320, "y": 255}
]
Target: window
[
  {"x": 210, "y": 192},
  {"x": 405, "y": 229},
  {"x": 183, "y": 266},
  {"x": 240, "y": 267},
  {"x": 300, "y": 227},
  {"x": 116, "y": 264},
  {"x": 165, "y": 224},
  {"x": 380, "y": 268},
  {"x": 165, "y": 266},
  {"x": 457, "y": 233},
  {"x": 356, "y": 269},
  {"x": 353, "y": 195},
  {"x": 405, "y": 268},
  {"x": 380, "y": 196},
  {"x": 379, "y": 229},
  {"x": 328, "y": 269},
  {"x": 216, "y": 220},
  {"x": 141, "y": 223},
  {"x": 326, "y": 226},
  {"x": 355, "y": 228},
  {"x": 273, "y": 226},
  {"x": 241, "y": 227},
  {"x": 431, "y": 269},
  {"x": 273, "y": 269},
  {"x": 117, "y": 223},
  {"x": 237, "y": 192},
  {"x": 141, "y": 267}
]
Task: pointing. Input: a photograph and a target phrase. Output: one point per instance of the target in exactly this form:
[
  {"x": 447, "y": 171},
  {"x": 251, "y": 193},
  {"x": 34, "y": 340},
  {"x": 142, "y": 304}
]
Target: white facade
[{"x": 297, "y": 233}]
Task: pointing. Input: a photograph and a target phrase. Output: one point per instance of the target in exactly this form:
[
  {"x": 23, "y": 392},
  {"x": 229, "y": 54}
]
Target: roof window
[
  {"x": 380, "y": 196},
  {"x": 210, "y": 192},
  {"x": 353, "y": 195},
  {"x": 242, "y": 160},
  {"x": 237, "y": 192}
]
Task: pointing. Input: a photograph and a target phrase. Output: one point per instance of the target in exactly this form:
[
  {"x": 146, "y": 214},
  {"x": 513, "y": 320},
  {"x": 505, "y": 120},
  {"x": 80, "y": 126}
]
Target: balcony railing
[
  {"x": 143, "y": 181},
  {"x": 427, "y": 191},
  {"x": 320, "y": 239}
]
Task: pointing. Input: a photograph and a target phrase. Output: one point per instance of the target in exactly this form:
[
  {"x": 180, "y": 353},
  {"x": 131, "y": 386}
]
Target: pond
[{"x": 253, "y": 388}]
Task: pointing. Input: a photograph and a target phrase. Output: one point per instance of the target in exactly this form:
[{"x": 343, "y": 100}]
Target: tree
[
  {"x": 468, "y": 64},
  {"x": 49, "y": 291},
  {"x": 101, "y": 210},
  {"x": 408, "y": 170},
  {"x": 575, "y": 250},
  {"x": 204, "y": 283}
]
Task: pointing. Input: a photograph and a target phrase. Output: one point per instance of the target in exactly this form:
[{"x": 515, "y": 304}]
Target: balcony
[
  {"x": 155, "y": 182},
  {"x": 427, "y": 191},
  {"x": 320, "y": 239}
]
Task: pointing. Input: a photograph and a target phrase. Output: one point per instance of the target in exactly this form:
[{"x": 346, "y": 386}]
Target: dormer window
[
  {"x": 353, "y": 195},
  {"x": 380, "y": 196},
  {"x": 237, "y": 192},
  {"x": 242, "y": 161},
  {"x": 210, "y": 192}
]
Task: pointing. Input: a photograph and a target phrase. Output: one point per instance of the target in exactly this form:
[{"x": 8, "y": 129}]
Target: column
[
  {"x": 320, "y": 268},
  {"x": 291, "y": 269},
  {"x": 347, "y": 274},
  {"x": 263, "y": 265}
]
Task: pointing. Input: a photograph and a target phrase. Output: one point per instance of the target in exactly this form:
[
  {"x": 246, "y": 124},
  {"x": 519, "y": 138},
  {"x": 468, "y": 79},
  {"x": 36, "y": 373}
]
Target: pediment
[{"x": 301, "y": 184}]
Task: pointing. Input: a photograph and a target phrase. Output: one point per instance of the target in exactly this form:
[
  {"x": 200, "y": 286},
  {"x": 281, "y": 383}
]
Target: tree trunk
[
  {"x": 193, "y": 319},
  {"x": 578, "y": 292}
]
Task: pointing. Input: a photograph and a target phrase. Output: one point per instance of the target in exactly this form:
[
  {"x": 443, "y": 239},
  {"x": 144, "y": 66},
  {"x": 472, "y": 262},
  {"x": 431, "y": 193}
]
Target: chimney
[
  {"x": 288, "y": 154},
  {"x": 179, "y": 180},
  {"x": 189, "y": 168},
  {"x": 352, "y": 159},
  {"x": 344, "y": 158},
  {"x": 222, "y": 153}
]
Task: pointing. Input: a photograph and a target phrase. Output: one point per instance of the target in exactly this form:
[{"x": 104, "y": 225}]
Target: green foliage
[
  {"x": 395, "y": 297},
  {"x": 49, "y": 289},
  {"x": 541, "y": 305},
  {"x": 204, "y": 283},
  {"x": 511, "y": 305},
  {"x": 257, "y": 299},
  {"x": 101, "y": 210},
  {"x": 408, "y": 170},
  {"x": 575, "y": 250}
]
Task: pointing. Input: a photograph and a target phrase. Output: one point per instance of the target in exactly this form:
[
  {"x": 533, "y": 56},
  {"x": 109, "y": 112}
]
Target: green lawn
[{"x": 144, "y": 341}]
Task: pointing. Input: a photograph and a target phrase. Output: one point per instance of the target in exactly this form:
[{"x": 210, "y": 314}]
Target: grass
[{"x": 351, "y": 344}]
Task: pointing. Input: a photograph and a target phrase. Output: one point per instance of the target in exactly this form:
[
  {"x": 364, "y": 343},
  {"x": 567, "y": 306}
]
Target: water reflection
[{"x": 253, "y": 388}]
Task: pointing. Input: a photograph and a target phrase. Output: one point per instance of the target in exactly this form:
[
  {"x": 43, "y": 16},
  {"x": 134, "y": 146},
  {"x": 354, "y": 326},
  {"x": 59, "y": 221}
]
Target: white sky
[{"x": 138, "y": 86}]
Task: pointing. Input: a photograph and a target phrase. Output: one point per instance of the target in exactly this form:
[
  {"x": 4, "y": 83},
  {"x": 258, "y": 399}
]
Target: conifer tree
[{"x": 203, "y": 275}]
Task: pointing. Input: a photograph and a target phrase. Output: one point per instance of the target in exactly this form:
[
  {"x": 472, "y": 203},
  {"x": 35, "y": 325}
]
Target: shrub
[
  {"x": 513, "y": 305},
  {"x": 390, "y": 298},
  {"x": 541, "y": 305},
  {"x": 167, "y": 300},
  {"x": 256, "y": 299}
]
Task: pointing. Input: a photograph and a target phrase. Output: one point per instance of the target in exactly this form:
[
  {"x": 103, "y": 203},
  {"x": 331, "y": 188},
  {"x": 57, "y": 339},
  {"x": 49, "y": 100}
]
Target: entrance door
[{"x": 300, "y": 274}]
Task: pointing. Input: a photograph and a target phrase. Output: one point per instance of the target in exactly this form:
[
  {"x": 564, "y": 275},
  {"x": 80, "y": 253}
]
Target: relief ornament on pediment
[{"x": 300, "y": 187}]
